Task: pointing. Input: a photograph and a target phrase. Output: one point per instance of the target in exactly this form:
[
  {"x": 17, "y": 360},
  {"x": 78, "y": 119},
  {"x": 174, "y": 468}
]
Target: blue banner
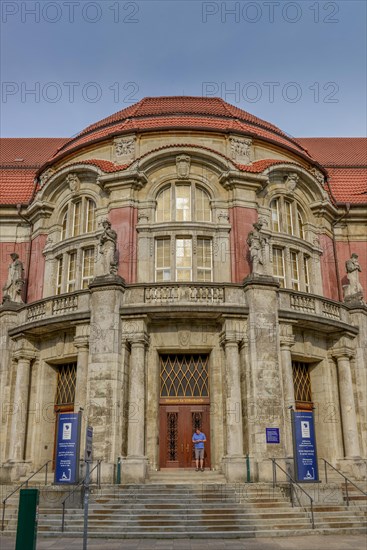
[
  {"x": 304, "y": 447},
  {"x": 67, "y": 448}
]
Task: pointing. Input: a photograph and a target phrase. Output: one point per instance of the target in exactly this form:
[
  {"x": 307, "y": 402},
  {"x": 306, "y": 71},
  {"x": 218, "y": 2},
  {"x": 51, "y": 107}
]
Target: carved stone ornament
[
  {"x": 183, "y": 166},
  {"x": 12, "y": 290},
  {"x": 124, "y": 148},
  {"x": 318, "y": 175},
  {"x": 354, "y": 291},
  {"x": 143, "y": 215},
  {"x": 241, "y": 149},
  {"x": 73, "y": 183},
  {"x": 291, "y": 182},
  {"x": 223, "y": 216},
  {"x": 46, "y": 176}
]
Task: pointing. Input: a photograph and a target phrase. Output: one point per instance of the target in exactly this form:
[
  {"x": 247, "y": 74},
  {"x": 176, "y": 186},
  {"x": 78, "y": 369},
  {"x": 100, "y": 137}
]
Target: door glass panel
[
  {"x": 184, "y": 375},
  {"x": 172, "y": 436}
]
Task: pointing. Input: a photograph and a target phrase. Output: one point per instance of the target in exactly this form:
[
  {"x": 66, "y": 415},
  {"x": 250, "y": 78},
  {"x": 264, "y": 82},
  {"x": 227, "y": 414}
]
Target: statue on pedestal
[
  {"x": 107, "y": 261},
  {"x": 12, "y": 290},
  {"x": 258, "y": 242},
  {"x": 353, "y": 291}
]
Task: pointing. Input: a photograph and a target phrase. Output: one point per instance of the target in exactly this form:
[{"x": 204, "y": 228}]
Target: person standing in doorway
[{"x": 198, "y": 440}]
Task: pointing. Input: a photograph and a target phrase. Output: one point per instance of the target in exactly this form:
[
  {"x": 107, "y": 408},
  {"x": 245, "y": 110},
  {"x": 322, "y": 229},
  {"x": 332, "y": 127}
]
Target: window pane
[
  {"x": 183, "y": 259},
  {"x": 88, "y": 266},
  {"x": 275, "y": 214},
  {"x": 294, "y": 270},
  {"x": 71, "y": 272},
  {"x": 76, "y": 219},
  {"x": 64, "y": 226},
  {"x": 278, "y": 266},
  {"x": 202, "y": 206},
  {"x": 59, "y": 275},
  {"x": 301, "y": 227},
  {"x": 289, "y": 225},
  {"x": 204, "y": 260},
  {"x": 183, "y": 203},
  {"x": 90, "y": 216},
  {"x": 163, "y": 260},
  {"x": 306, "y": 273},
  {"x": 163, "y": 213}
]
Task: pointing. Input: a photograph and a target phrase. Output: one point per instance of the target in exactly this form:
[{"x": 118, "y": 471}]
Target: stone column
[
  {"x": 234, "y": 461},
  {"x": 81, "y": 390},
  {"x": 286, "y": 343},
  {"x": 347, "y": 406},
  {"x": 134, "y": 467},
  {"x": 20, "y": 401}
]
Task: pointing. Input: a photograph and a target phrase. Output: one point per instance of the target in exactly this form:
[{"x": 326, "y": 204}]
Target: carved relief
[
  {"x": 183, "y": 166},
  {"x": 318, "y": 175},
  {"x": 291, "y": 181},
  {"x": 73, "y": 183},
  {"x": 124, "y": 149},
  {"x": 241, "y": 149},
  {"x": 46, "y": 176},
  {"x": 143, "y": 215},
  {"x": 223, "y": 216}
]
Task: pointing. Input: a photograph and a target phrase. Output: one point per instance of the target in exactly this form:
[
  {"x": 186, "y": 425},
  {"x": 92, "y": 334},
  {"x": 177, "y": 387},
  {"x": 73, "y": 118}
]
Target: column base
[
  {"x": 13, "y": 470},
  {"x": 134, "y": 469},
  {"x": 234, "y": 468},
  {"x": 353, "y": 467}
]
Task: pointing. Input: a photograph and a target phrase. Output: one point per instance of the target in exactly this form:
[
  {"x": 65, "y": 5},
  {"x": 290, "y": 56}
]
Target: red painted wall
[
  {"x": 344, "y": 252},
  {"x": 328, "y": 269},
  {"x": 241, "y": 220},
  {"x": 36, "y": 269},
  {"x": 123, "y": 221}
]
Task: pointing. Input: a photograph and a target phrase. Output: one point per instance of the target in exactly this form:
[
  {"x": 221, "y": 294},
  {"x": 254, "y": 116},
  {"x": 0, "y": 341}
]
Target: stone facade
[{"x": 183, "y": 285}]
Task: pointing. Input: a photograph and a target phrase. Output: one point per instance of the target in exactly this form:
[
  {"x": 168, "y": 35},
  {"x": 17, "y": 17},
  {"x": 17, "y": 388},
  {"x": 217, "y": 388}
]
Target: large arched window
[
  {"x": 79, "y": 218},
  {"x": 287, "y": 217},
  {"x": 291, "y": 258},
  {"x": 184, "y": 244}
]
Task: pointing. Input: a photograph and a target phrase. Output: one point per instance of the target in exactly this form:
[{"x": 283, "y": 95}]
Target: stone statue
[
  {"x": 107, "y": 248},
  {"x": 354, "y": 289},
  {"x": 12, "y": 290},
  {"x": 257, "y": 242}
]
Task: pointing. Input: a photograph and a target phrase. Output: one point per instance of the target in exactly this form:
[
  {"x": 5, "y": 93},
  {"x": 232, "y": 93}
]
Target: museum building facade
[{"x": 183, "y": 264}]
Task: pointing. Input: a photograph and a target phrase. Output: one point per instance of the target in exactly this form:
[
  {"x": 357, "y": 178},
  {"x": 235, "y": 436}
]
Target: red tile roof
[
  {"x": 189, "y": 113},
  {"x": 25, "y": 152},
  {"x": 16, "y": 186},
  {"x": 349, "y": 185},
  {"x": 337, "y": 151}
]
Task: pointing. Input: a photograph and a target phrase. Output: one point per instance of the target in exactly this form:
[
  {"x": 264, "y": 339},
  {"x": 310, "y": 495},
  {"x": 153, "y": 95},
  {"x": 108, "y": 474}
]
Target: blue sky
[{"x": 66, "y": 64}]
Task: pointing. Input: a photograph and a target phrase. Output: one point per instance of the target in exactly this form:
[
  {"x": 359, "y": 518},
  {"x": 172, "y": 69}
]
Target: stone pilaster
[
  {"x": 347, "y": 405},
  {"x": 265, "y": 407},
  {"x": 286, "y": 343},
  {"x": 81, "y": 401},
  {"x": 104, "y": 371},
  {"x": 134, "y": 467},
  {"x": 234, "y": 461}
]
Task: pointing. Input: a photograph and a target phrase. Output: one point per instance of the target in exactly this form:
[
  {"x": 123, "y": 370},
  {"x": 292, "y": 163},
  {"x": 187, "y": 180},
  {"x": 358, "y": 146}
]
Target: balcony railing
[
  {"x": 199, "y": 294},
  {"x": 313, "y": 305},
  {"x": 57, "y": 305}
]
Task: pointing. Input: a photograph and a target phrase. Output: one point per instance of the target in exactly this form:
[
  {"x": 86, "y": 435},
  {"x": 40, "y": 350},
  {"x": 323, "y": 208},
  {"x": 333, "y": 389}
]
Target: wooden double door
[{"x": 177, "y": 425}]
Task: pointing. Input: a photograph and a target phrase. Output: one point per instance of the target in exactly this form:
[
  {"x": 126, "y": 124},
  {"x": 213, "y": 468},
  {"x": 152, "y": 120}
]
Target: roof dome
[{"x": 181, "y": 113}]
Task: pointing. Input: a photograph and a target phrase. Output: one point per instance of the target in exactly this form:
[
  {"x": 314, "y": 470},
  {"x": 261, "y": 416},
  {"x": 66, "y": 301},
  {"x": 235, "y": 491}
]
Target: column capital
[
  {"x": 286, "y": 342},
  {"x": 24, "y": 354},
  {"x": 81, "y": 342},
  {"x": 343, "y": 352},
  {"x": 138, "y": 339},
  {"x": 230, "y": 337}
]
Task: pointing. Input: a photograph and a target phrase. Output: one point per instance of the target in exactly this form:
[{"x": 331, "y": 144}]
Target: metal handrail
[
  {"x": 346, "y": 480},
  {"x": 20, "y": 486},
  {"x": 98, "y": 466},
  {"x": 292, "y": 482}
]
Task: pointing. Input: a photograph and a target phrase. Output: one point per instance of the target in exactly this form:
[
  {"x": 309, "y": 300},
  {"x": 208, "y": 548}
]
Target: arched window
[
  {"x": 287, "y": 217},
  {"x": 79, "y": 218},
  {"x": 184, "y": 252}
]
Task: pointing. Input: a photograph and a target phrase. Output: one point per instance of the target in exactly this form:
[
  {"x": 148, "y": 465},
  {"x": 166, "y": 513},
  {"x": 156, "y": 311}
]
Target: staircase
[{"x": 197, "y": 505}]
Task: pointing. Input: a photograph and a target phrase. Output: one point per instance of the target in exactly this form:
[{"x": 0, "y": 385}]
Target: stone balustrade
[
  {"x": 56, "y": 305},
  {"x": 313, "y": 305},
  {"x": 201, "y": 294}
]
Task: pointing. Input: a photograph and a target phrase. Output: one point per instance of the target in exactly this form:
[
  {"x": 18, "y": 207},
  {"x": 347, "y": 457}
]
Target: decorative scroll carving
[
  {"x": 241, "y": 149},
  {"x": 183, "y": 163}
]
